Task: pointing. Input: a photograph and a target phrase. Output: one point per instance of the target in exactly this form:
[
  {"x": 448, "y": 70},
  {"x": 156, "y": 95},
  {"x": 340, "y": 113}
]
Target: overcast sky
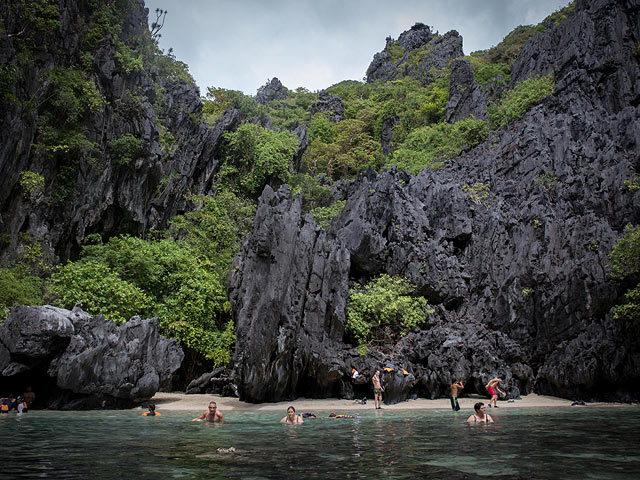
[{"x": 240, "y": 44}]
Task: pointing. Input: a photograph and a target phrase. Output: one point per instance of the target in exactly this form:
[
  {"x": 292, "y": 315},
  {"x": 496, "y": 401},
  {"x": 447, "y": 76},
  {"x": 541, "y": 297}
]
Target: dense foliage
[
  {"x": 180, "y": 278},
  {"x": 383, "y": 310},
  {"x": 520, "y": 99},
  {"x": 624, "y": 264}
]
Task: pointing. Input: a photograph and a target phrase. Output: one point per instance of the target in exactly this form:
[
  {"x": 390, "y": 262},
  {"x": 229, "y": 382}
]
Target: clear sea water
[{"x": 572, "y": 443}]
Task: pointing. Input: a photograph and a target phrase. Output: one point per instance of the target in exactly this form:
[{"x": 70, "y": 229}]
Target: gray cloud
[{"x": 239, "y": 44}]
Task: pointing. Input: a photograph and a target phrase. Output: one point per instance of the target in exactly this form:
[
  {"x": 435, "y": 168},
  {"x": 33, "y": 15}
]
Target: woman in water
[
  {"x": 481, "y": 415},
  {"x": 292, "y": 417}
]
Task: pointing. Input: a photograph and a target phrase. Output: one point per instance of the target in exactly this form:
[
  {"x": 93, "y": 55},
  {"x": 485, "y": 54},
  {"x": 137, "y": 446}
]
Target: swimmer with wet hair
[{"x": 292, "y": 417}]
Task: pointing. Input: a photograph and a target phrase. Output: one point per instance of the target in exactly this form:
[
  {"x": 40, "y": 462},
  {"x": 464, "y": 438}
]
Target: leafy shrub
[
  {"x": 351, "y": 152},
  {"x": 72, "y": 96},
  {"x": 384, "y": 303},
  {"x": 127, "y": 60},
  {"x": 258, "y": 157},
  {"x": 32, "y": 184},
  {"x": 478, "y": 192},
  {"x": 395, "y": 51},
  {"x": 322, "y": 129},
  {"x": 313, "y": 194},
  {"x": 220, "y": 99},
  {"x": 624, "y": 264},
  {"x": 164, "y": 278},
  {"x": 547, "y": 180},
  {"x": 510, "y": 47},
  {"x": 324, "y": 215},
  {"x": 99, "y": 289},
  {"x": 18, "y": 287},
  {"x": 125, "y": 149},
  {"x": 631, "y": 185},
  {"x": 216, "y": 227},
  {"x": 489, "y": 73},
  {"x": 443, "y": 141},
  {"x": 520, "y": 99}
]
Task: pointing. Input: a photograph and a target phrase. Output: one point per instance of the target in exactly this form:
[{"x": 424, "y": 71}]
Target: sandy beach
[{"x": 177, "y": 401}]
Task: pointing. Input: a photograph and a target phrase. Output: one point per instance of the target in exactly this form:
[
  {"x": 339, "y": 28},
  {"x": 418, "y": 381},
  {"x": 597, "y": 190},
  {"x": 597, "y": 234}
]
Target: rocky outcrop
[
  {"x": 417, "y": 53},
  {"x": 94, "y": 362},
  {"x": 330, "y": 105},
  {"x": 518, "y": 274},
  {"x": 94, "y": 193},
  {"x": 466, "y": 96},
  {"x": 270, "y": 91}
]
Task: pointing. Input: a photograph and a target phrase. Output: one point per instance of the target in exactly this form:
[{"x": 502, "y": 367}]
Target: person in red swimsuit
[{"x": 491, "y": 387}]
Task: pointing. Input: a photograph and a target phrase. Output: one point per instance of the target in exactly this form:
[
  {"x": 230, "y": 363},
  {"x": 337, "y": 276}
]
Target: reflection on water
[{"x": 533, "y": 444}]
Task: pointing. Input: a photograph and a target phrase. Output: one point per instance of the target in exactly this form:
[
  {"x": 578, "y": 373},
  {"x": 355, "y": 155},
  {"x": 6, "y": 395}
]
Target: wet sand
[{"x": 177, "y": 401}]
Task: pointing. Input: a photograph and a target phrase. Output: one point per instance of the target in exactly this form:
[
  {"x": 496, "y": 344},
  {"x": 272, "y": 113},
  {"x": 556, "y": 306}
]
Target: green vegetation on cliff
[
  {"x": 383, "y": 310},
  {"x": 624, "y": 266},
  {"x": 179, "y": 277}
]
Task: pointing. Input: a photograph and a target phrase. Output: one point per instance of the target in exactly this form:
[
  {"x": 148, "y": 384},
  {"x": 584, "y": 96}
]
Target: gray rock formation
[
  {"x": 416, "y": 52},
  {"x": 330, "y": 105},
  {"x": 94, "y": 362},
  {"x": 518, "y": 276},
  {"x": 466, "y": 96},
  {"x": 270, "y": 91}
]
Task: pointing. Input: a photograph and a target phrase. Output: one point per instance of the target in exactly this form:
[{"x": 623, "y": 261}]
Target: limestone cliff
[
  {"x": 90, "y": 188},
  {"x": 518, "y": 277}
]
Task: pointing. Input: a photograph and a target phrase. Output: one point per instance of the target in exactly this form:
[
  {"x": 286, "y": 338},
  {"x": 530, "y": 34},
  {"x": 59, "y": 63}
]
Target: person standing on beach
[
  {"x": 491, "y": 387},
  {"x": 212, "y": 415},
  {"x": 377, "y": 389},
  {"x": 481, "y": 415},
  {"x": 456, "y": 386}
]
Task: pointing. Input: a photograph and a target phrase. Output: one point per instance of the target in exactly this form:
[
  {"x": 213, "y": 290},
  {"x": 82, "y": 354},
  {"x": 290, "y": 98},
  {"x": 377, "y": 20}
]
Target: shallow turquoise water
[{"x": 572, "y": 443}]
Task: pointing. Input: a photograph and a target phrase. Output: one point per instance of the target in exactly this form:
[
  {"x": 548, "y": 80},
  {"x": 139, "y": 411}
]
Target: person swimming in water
[
  {"x": 212, "y": 415},
  {"x": 151, "y": 412},
  {"x": 481, "y": 416},
  {"x": 292, "y": 417}
]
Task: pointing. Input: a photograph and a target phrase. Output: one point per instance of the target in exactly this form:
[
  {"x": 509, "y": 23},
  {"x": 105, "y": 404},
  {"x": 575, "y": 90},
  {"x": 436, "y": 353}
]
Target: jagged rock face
[
  {"x": 94, "y": 362},
  {"x": 421, "y": 51},
  {"x": 522, "y": 272},
  {"x": 179, "y": 153},
  {"x": 330, "y": 105},
  {"x": 466, "y": 96},
  {"x": 272, "y": 90}
]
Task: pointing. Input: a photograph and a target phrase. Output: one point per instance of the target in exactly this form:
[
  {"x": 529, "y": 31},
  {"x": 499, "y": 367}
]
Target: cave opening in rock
[{"x": 41, "y": 384}]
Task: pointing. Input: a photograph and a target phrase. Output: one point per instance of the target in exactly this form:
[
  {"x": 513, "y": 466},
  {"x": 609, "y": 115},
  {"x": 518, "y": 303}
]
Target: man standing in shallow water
[
  {"x": 212, "y": 415},
  {"x": 377, "y": 389},
  {"x": 456, "y": 386}
]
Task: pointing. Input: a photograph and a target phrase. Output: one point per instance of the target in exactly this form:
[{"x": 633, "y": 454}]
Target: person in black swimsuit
[{"x": 481, "y": 415}]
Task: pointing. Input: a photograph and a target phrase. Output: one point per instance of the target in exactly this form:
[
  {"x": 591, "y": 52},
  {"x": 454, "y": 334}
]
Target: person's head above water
[
  {"x": 291, "y": 409},
  {"x": 152, "y": 407},
  {"x": 479, "y": 406},
  {"x": 213, "y": 406}
]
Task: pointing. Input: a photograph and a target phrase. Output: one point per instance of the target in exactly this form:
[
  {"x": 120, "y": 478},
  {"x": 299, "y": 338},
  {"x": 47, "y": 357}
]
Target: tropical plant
[
  {"x": 624, "y": 265},
  {"x": 520, "y": 99},
  {"x": 384, "y": 303}
]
